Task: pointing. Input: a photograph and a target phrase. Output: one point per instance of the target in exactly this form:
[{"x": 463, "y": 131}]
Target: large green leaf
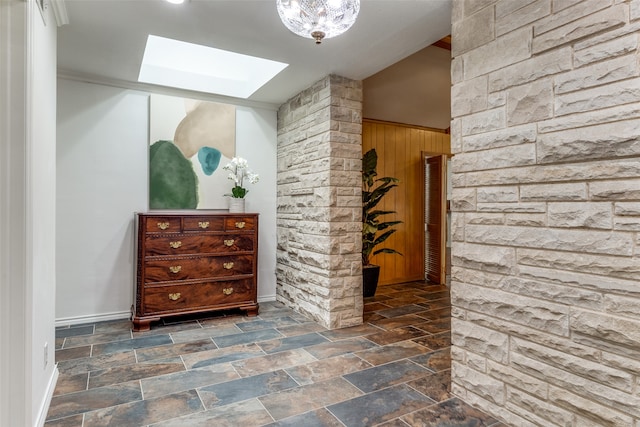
[{"x": 373, "y": 191}]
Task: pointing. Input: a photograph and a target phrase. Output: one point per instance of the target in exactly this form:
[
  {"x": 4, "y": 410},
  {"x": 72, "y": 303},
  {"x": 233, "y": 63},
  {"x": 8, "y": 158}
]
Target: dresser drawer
[
  {"x": 237, "y": 223},
  {"x": 183, "y": 244},
  {"x": 163, "y": 224},
  {"x": 187, "y": 297},
  {"x": 165, "y": 270},
  {"x": 203, "y": 223}
]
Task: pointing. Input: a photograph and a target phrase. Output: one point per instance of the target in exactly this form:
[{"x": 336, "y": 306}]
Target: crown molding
[
  {"x": 60, "y": 12},
  {"x": 163, "y": 90}
]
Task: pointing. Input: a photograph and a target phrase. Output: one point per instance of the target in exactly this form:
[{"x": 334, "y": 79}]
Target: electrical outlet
[{"x": 46, "y": 354}]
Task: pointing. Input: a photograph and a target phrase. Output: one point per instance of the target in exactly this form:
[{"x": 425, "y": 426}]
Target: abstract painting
[{"x": 189, "y": 143}]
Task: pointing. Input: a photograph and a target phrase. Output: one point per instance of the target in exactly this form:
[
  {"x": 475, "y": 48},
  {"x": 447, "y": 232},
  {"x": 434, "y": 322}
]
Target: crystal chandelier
[{"x": 318, "y": 19}]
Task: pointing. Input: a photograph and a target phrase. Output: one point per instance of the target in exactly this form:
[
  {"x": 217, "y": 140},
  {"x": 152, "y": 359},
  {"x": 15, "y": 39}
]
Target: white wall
[
  {"x": 415, "y": 90},
  {"x": 41, "y": 213},
  {"x": 256, "y": 140},
  {"x": 27, "y": 212},
  {"x": 102, "y": 180}
]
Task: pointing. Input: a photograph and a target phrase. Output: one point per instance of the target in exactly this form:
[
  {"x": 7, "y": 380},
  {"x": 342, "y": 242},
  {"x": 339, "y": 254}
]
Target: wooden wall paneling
[
  {"x": 402, "y": 207},
  {"x": 386, "y": 158},
  {"x": 399, "y": 149},
  {"x": 418, "y": 142}
]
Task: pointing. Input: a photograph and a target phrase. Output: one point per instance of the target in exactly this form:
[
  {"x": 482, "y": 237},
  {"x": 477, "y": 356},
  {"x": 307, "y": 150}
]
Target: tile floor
[{"x": 277, "y": 369}]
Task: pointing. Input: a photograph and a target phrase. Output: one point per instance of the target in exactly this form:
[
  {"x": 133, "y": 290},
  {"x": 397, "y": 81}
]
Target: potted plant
[
  {"x": 374, "y": 231},
  {"x": 239, "y": 169}
]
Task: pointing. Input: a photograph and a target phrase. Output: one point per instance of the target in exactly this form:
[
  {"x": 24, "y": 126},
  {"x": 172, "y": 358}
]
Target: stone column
[
  {"x": 319, "y": 217},
  {"x": 546, "y": 200}
]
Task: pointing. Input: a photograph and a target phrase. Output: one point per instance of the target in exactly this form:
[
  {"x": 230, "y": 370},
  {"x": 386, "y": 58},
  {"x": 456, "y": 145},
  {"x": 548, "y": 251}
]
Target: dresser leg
[
  {"x": 252, "y": 311},
  {"x": 140, "y": 325}
]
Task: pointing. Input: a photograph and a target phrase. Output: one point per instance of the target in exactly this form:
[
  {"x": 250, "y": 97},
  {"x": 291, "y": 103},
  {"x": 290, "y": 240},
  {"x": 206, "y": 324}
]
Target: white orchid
[{"x": 239, "y": 169}]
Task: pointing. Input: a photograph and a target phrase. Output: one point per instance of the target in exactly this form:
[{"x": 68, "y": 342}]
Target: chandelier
[{"x": 318, "y": 19}]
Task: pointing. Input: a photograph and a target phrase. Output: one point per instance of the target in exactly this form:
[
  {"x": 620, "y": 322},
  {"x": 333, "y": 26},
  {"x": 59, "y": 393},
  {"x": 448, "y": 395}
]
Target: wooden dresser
[{"x": 194, "y": 262}]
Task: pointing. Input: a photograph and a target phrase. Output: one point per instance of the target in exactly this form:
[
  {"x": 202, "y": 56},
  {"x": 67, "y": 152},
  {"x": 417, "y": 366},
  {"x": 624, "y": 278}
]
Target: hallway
[{"x": 277, "y": 369}]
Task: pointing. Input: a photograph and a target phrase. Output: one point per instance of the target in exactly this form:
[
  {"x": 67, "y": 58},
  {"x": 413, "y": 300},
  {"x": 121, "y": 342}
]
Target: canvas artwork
[{"x": 189, "y": 143}]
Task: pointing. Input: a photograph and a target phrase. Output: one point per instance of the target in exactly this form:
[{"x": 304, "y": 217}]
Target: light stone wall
[
  {"x": 546, "y": 223},
  {"x": 319, "y": 212}
]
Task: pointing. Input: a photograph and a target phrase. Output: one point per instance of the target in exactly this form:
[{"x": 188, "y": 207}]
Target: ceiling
[{"x": 105, "y": 39}]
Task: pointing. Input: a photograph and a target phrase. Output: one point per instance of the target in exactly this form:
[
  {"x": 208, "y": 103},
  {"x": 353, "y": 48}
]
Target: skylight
[{"x": 175, "y": 63}]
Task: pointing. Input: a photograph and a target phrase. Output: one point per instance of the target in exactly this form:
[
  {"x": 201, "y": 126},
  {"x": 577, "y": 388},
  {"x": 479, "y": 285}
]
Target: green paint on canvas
[{"x": 172, "y": 182}]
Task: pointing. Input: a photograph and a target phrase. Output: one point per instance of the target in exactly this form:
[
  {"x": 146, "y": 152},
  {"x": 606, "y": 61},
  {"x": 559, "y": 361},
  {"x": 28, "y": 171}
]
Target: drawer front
[
  {"x": 164, "y": 270},
  {"x": 203, "y": 223},
  {"x": 240, "y": 223},
  {"x": 176, "y": 298},
  {"x": 162, "y": 224},
  {"x": 181, "y": 244}
]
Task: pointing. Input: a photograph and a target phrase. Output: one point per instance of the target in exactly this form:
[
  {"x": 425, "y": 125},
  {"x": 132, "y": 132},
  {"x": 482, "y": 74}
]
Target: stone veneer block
[
  {"x": 597, "y": 74},
  {"x": 501, "y": 52},
  {"x": 589, "y": 25},
  {"x": 500, "y": 260},
  {"x": 517, "y": 18},
  {"x": 538, "y": 314},
  {"x": 531, "y": 69},
  {"x": 587, "y": 215},
  {"x": 594, "y": 412},
  {"x": 481, "y": 25},
  {"x": 472, "y": 94},
  {"x": 530, "y": 103},
  {"x": 536, "y": 410},
  {"x": 501, "y": 138},
  {"x": 554, "y": 192},
  {"x": 589, "y": 241},
  {"x": 567, "y": 13},
  {"x": 497, "y": 158},
  {"x": 606, "y": 115},
  {"x": 595, "y": 142}
]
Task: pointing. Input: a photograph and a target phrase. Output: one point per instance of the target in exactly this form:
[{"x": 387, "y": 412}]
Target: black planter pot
[{"x": 370, "y": 275}]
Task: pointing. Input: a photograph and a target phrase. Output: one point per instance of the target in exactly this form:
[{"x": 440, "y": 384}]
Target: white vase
[{"x": 236, "y": 205}]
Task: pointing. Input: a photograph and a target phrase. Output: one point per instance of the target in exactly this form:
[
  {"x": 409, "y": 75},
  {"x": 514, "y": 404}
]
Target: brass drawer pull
[
  {"x": 227, "y": 291},
  {"x": 175, "y": 268},
  {"x": 229, "y": 242},
  {"x": 203, "y": 224},
  {"x": 175, "y": 297},
  {"x": 228, "y": 265},
  {"x": 240, "y": 224},
  {"x": 175, "y": 245},
  {"x": 163, "y": 225}
]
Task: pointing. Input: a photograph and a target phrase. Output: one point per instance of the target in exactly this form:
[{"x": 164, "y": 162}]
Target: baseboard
[
  {"x": 267, "y": 298},
  {"x": 78, "y": 320},
  {"x": 44, "y": 409},
  {"x": 119, "y": 315}
]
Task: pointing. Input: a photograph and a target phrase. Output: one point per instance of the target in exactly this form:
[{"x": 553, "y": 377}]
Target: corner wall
[
  {"x": 546, "y": 223},
  {"x": 319, "y": 218},
  {"x": 27, "y": 211}
]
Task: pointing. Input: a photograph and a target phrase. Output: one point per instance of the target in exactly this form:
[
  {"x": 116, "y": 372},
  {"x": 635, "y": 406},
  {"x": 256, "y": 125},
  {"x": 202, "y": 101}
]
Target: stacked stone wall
[
  {"x": 319, "y": 217},
  {"x": 546, "y": 210}
]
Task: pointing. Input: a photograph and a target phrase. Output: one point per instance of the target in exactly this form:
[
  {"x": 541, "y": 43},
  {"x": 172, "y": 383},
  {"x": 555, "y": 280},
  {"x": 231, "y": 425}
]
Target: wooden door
[{"x": 435, "y": 213}]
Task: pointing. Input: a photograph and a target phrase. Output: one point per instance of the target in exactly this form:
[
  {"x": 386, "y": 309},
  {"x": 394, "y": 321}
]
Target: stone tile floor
[{"x": 276, "y": 369}]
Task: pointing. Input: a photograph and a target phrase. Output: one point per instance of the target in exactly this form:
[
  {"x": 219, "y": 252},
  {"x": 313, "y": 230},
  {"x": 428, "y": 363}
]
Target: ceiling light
[
  {"x": 318, "y": 19},
  {"x": 176, "y": 1}
]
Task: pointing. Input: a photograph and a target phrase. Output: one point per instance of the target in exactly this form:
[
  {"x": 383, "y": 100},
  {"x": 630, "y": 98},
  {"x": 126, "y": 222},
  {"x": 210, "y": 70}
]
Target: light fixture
[
  {"x": 318, "y": 19},
  {"x": 176, "y": 1}
]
